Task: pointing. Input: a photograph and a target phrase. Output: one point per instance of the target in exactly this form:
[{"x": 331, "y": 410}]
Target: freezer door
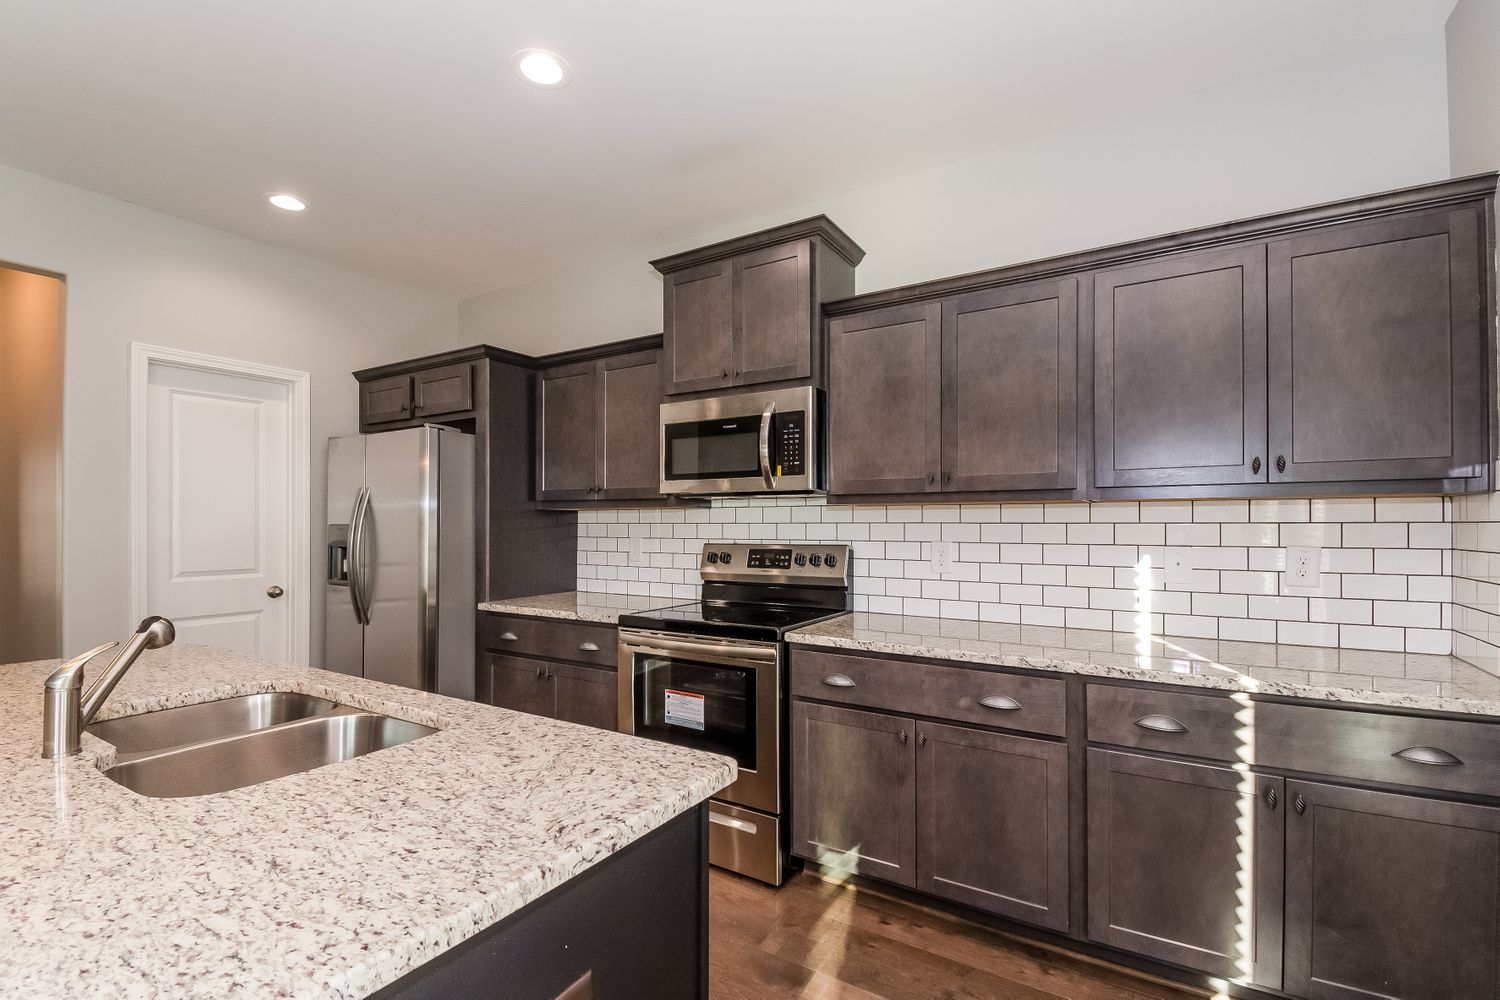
[
  {"x": 396, "y": 476},
  {"x": 343, "y": 644}
]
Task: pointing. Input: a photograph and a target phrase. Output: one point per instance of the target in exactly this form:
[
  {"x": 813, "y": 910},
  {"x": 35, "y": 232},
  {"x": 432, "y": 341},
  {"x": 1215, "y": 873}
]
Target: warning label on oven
[{"x": 684, "y": 709}]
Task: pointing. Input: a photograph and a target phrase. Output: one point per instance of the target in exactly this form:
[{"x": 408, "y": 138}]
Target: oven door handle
[
  {"x": 655, "y": 644},
  {"x": 765, "y": 445}
]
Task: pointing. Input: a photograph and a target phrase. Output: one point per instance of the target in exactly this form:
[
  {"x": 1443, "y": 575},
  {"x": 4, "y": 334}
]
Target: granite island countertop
[
  {"x": 330, "y": 883},
  {"x": 577, "y": 606},
  {"x": 1417, "y": 681}
]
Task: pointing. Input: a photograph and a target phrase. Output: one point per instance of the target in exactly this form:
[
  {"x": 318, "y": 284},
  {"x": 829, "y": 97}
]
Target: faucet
[{"x": 67, "y": 709}]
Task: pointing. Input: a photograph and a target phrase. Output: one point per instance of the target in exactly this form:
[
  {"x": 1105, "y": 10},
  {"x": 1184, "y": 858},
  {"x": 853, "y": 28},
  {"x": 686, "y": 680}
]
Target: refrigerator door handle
[{"x": 357, "y": 556}]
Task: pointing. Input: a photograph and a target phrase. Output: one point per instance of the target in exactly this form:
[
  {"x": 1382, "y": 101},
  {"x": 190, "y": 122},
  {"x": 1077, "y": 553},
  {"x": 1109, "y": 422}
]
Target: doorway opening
[{"x": 31, "y": 422}]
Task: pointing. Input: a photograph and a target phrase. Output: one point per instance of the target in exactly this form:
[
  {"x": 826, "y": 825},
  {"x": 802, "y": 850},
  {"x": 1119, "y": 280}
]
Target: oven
[
  {"x": 747, "y": 442},
  {"x": 724, "y": 696}
]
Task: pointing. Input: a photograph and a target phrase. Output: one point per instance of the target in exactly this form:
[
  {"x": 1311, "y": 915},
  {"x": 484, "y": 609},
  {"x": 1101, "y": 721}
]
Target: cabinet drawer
[
  {"x": 1435, "y": 753},
  {"x": 554, "y": 638},
  {"x": 985, "y": 697},
  {"x": 1190, "y": 724}
]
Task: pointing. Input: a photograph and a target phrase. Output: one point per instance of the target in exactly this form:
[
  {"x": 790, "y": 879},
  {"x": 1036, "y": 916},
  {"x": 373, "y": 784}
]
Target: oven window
[
  {"x": 714, "y": 449},
  {"x": 705, "y": 706}
]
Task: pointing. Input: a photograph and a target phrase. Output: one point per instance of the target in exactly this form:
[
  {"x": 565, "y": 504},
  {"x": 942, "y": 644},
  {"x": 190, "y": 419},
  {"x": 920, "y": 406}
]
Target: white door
[{"x": 217, "y": 468}]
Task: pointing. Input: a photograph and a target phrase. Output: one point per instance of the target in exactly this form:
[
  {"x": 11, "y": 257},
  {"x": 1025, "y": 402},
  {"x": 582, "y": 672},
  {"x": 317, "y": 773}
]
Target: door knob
[{"x": 274, "y": 591}]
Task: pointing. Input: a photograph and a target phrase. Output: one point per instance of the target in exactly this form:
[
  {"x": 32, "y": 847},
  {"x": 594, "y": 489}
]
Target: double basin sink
[{"x": 219, "y": 745}]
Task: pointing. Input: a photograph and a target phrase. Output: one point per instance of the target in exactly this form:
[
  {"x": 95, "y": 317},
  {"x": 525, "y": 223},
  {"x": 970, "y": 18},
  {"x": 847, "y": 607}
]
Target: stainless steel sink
[
  {"x": 212, "y": 720},
  {"x": 285, "y": 735}
]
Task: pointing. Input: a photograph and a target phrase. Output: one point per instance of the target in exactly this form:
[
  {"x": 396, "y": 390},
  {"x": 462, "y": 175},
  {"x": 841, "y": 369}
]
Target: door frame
[{"x": 299, "y": 438}]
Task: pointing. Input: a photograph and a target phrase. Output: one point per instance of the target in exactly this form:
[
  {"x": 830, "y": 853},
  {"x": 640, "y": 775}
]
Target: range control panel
[{"x": 813, "y": 563}]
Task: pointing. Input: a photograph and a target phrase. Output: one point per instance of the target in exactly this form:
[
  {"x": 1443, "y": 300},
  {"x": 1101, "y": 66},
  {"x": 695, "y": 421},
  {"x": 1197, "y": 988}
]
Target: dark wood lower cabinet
[
  {"x": 565, "y": 691},
  {"x": 853, "y": 791},
  {"x": 1390, "y": 896},
  {"x": 1185, "y": 864},
  {"x": 992, "y": 822}
]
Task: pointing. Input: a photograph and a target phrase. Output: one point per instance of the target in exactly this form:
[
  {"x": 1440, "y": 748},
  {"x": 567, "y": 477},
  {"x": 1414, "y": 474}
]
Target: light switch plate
[
  {"x": 1304, "y": 569},
  {"x": 1179, "y": 565},
  {"x": 634, "y": 551}
]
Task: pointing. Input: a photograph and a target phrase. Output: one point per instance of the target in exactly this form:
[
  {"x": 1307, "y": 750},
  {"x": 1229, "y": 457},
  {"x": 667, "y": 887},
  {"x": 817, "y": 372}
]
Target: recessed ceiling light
[
  {"x": 290, "y": 202},
  {"x": 541, "y": 68}
]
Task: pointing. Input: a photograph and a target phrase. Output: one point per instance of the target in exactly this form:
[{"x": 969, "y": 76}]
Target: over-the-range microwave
[{"x": 747, "y": 442}]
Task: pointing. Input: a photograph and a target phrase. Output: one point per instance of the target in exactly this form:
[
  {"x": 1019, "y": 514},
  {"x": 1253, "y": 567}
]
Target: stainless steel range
[{"x": 712, "y": 676}]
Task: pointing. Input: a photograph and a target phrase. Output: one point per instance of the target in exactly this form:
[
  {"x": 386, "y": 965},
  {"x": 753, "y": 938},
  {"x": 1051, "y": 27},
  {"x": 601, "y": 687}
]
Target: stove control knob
[
  {"x": 831, "y": 561},
  {"x": 801, "y": 559},
  {"x": 815, "y": 559},
  {"x": 725, "y": 558},
  {"x": 713, "y": 557}
]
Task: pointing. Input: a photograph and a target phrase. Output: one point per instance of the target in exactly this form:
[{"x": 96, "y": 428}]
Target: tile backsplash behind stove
[{"x": 1387, "y": 580}]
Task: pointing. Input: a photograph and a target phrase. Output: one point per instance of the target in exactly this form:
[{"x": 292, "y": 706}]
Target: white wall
[
  {"x": 1362, "y": 121},
  {"x": 1474, "y": 86},
  {"x": 136, "y": 275}
]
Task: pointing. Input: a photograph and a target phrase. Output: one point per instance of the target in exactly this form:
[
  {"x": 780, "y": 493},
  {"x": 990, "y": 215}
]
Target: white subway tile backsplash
[{"x": 1396, "y": 573}]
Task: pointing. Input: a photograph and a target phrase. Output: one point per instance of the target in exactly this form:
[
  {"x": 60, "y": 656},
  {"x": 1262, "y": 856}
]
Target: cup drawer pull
[
  {"x": 1161, "y": 724},
  {"x": 1431, "y": 756},
  {"x": 1001, "y": 702},
  {"x": 508, "y": 637},
  {"x": 838, "y": 681},
  {"x": 589, "y": 647}
]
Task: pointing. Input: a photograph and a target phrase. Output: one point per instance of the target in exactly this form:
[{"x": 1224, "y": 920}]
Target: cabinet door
[
  {"x": 1185, "y": 864},
  {"x": 884, "y": 407},
  {"x": 585, "y": 695},
  {"x": 1377, "y": 351},
  {"x": 854, "y": 791},
  {"x": 384, "y": 400},
  {"x": 631, "y": 385},
  {"x": 1180, "y": 370},
  {"x": 698, "y": 320},
  {"x": 773, "y": 314},
  {"x": 520, "y": 684},
  {"x": 1010, "y": 388},
  {"x": 992, "y": 822},
  {"x": 567, "y": 464},
  {"x": 1390, "y": 896},
  {"x": 448, "y": 389}
]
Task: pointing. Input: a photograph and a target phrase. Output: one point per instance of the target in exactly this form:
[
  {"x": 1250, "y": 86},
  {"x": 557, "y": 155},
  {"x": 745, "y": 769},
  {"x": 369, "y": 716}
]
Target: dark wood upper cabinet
[
  {"x": 567, "y": 432},
  {"x": 1377, "y": 351},
  {"x": 631, "y": 412},
  {"x": 1010, "y": 388},
  {"x": 1185, "y": 864},
  {"x": 854, "y": 791},
  {"x": 992, "y": 822},
  {"x": 746, "y": 311},
  {"x": 1390, "y": 896},
  {"x": 698, "y": 317},
  {"x": 384, "y": 400},
  {"x": 442, "y": 390},
  {"x": 597, "y": 428},
  {"x": 773, "y": 314},
  {"x": 1180, "y": 370},
  {"x": 884, "y": 408}
]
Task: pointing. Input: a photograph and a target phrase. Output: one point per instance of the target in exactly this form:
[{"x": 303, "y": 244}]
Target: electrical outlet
[
  {"x": 1304, "y": 568},
  {"x": 942, "y": 557},
  {"x": 1179, "y": 565}
]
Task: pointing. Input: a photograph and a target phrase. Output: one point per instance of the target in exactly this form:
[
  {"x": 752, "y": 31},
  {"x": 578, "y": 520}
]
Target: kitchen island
[{"x": 383, "y": 874}]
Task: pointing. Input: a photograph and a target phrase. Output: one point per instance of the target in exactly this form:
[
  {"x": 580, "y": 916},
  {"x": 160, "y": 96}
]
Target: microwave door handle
[{"x": 765, "y": 445}]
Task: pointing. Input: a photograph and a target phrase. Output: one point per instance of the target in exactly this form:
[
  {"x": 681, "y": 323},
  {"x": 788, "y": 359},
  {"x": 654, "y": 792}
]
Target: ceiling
[{"x": 425, "y": 161}]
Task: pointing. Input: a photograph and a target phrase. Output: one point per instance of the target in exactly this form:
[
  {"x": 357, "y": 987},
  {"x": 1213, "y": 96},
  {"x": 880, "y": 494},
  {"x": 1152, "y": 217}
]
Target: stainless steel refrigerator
[{"x": 400, "y": 596}]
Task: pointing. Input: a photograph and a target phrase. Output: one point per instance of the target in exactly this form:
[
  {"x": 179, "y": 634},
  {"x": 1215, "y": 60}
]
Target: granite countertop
[
  {"x": 577, "y": 605},
  {"x": 1393, "y": 680},
  {"x": 330, "y": 883}
]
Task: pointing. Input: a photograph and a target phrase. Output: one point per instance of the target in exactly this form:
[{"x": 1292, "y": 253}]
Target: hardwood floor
[{"x": 817, "y": 940}]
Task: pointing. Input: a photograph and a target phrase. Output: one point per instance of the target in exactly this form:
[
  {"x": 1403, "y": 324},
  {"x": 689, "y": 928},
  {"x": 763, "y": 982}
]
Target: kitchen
[{"x": 1021, "y": 590}]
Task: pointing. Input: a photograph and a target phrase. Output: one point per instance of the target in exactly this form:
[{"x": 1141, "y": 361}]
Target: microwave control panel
[{"x": 791, "y": 431}]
